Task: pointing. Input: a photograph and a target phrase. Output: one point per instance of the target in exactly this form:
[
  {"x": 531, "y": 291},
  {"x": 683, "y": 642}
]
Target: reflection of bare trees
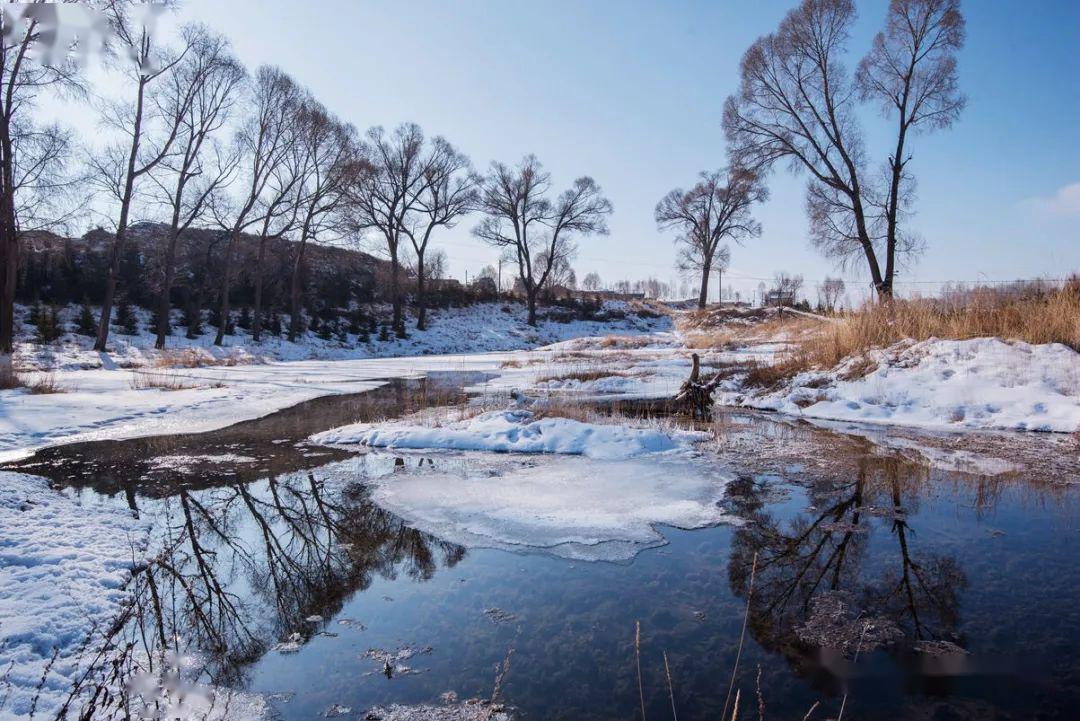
[
  {"x": 828, "y": 548},
  {"x": 244, "y": 566}
]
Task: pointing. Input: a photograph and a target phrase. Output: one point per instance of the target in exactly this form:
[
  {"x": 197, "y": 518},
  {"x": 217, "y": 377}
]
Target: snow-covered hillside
[{"x": 479, "y": 328}]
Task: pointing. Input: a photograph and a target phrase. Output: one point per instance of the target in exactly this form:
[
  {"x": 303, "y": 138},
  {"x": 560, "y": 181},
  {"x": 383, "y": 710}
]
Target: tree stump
[{"x": 694, "y": 397}]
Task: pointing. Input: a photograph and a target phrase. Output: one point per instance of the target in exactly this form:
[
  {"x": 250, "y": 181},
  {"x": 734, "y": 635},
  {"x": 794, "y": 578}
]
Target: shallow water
[{"x": 290, "y": 580}]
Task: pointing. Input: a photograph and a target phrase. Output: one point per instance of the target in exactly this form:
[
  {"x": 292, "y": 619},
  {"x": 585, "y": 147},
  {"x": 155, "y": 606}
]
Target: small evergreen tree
[
  {"x": 192, "y": 320},
  {"x": 85, "y": 324},
  {"x": 326, "y": 330},
  {"x": 35, "y": 313},
  {"x": 384, "y": 332},
  {"x": 244, "y": 321},
  {"x": 125, "y": 318},
  {"x": 274, "y": 326},
  {"x": 48, "y": 325}
]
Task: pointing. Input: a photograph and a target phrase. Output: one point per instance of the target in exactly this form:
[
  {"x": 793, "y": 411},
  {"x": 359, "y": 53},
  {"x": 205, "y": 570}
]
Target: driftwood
[{"x": 695, "y": 398}]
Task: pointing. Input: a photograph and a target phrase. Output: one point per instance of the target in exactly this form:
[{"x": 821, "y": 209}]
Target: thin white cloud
[{"x": 1065, "y": 203}]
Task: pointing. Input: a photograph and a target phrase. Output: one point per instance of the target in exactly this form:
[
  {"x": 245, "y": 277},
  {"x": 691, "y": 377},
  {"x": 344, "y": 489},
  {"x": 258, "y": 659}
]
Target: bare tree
[
  {"x": 787, "y": 285},
  {"x": 560, "y": 274},
  {"x": 148, "y": 135},
  {"x": 387, "y": 198},
  {"x": 265, "y": 141},
  {"x": 830, "y": 291},
  {"x": 521, "y": 218},
  {"x": 592, "y": 282},
  {"x": 201, "y": 91},
  {"x": 31, "y": 157},
  {"x": 330, "y": 160},
  {"x": 796, "y": 103},
  {"x": 714, "y": 210},
  {"x": 448, "y": 192}
]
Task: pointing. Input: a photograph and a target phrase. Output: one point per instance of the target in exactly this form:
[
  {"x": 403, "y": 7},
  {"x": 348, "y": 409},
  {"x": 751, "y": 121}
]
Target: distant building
[{"x": 780, "y": 297}]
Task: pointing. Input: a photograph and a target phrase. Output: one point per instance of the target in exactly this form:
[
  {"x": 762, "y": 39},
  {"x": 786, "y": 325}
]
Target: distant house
[
  {"x": 485, "y": 285},
  {"x": 780, "y": 297},
  {"x": 437, "y": 284}
]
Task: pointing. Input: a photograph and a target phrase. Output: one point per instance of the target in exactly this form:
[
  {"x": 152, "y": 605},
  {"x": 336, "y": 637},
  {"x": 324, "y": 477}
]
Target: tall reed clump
[{"x": 1030, "y": 312}]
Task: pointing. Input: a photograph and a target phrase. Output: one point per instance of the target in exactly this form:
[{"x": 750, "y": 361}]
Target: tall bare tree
[
  {"x": 265, "y": 142},
  {"x": 387, "y": 197},
  {"x": 330, "y": 161},
  {"x": 201, "y": 91},
  {"x": 797, "y": 103},
  {"x": 592, "y": 282},
  {"x": 147, "y": 136},
  {"x": 31, "y": 157},
  {"x": 829, "y": 293},
  {"x": 447, "y": 193},
  {"x": 520, "y": 217},
  {"x": 714, "y": 210}
]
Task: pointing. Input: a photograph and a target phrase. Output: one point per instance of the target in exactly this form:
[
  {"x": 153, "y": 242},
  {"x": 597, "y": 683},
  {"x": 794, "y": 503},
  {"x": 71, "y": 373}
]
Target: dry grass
[
  {"x": 1031, "y": 313},
  {"x": 9, "y": 380},
  {"x": 1034, "y": 316},
  {"x": 584, "y": 375},
  {"x": 192, "y": 358},
  {"x": 42, "y": 384},
  {"x": 166, "y": 382},
  {"x": 625, "y": 341}
]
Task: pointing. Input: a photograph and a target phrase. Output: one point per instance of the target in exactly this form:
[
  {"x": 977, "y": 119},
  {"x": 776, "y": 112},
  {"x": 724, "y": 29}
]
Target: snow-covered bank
[
  {"x": 478, "y": 328},
  {"x": 980, "y": 384},
  {"x": 104, "y": 404},
  {"x": 64, "y": 564},
  {"x": 516, "y": 431}
]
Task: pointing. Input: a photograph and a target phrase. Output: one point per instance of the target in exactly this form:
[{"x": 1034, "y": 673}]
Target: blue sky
[{"x": 632, "y": 92}]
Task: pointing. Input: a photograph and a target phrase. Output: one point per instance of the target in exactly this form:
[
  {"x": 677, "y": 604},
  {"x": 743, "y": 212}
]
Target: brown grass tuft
[
  {"x": 141, "y": 380},
  {"x": 42, "y": 384}
]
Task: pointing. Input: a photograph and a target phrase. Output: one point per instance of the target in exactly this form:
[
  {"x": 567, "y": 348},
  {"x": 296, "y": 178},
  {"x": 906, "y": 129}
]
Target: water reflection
[
  {"x": 246, "y": 566},
  {"x": 826, "y": 549}
]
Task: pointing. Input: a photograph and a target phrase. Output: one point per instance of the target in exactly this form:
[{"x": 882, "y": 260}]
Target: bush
[
  {"x": 48, "y": 325},
  {"x": 85, "y": 324},
  {"x": 125, "y": 318}
]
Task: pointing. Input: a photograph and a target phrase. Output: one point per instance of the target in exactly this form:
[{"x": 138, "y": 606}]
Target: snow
[
  {"x": 569, "y": 506},
  {"x": 64, "y": 563},
  {"x": 980, "y": 384},
  {"x": 478, "y": 328},
  {"x": 516, "y": 431}
]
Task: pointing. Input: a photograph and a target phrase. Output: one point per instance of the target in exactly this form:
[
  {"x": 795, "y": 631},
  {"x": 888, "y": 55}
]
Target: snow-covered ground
[
  {"x": 515, "y": 431},
  {"x": 978, "y": 384},
  {"x": 64, "y": 564},
  {"x": 479, "y": 328}
]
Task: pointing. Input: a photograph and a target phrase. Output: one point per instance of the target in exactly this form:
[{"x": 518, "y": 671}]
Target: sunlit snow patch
[{"x": 516, "y": 431}]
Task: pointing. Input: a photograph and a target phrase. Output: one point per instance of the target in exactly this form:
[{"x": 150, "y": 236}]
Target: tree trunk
[
  {"x": 395, "y": 296},
  {"x": 421, "y": 310},
  {"x": 110, "y": 282},
  {"x": 256, "y": 322},
  {"x": 226, "y": 286},
  {"x": 530, "y": 299},
  {"x": 166, "y": 287},
  {"x": 121, "y": 227},
  {"x": 703, "y": 296},
  {"x": 9, "y": 246},
  {"x": 294, "y": 293}
]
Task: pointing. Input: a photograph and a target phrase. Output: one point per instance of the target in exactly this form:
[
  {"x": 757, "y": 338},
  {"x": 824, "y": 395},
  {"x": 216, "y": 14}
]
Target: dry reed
[
  {"x": 637, "y": 660},
  {"x": 742, "y": 639}
]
